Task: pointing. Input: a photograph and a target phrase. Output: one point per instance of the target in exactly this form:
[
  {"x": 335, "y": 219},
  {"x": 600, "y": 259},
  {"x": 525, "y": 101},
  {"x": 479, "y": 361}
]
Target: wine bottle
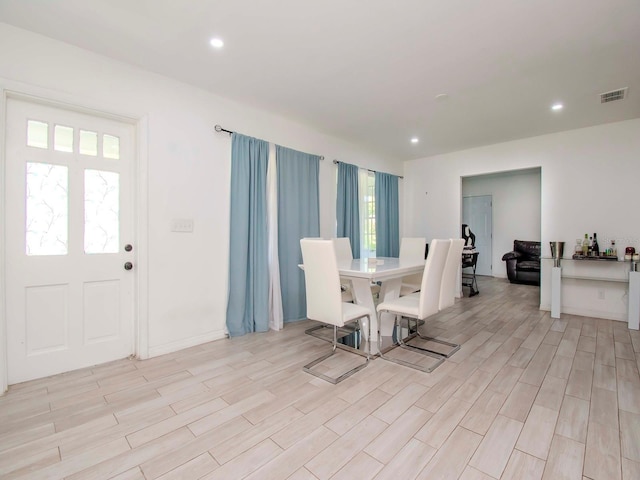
[
  {"x": 585, "y": 245},
  {"x": 595, "y": 247}
]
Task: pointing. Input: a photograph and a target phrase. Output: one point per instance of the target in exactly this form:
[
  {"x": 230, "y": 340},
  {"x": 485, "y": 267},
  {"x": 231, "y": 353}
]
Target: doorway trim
[{"x": 141, "y": 218}]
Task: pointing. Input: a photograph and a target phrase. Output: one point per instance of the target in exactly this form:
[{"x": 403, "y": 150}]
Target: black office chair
[{"x": 469, "y": 260}]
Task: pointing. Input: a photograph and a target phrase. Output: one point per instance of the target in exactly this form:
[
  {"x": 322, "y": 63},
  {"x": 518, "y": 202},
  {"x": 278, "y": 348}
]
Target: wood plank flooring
[{"x": 526, "y": 397}]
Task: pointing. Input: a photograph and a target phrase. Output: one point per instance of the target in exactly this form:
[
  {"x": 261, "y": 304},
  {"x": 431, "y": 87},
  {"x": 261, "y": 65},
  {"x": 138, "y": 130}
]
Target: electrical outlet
[
  {"x": 184, "y": 225},
  {"x": 600, "y": 294}
]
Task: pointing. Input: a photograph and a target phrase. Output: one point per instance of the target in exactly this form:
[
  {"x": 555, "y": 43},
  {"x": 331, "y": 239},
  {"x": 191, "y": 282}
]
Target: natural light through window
[
  {"x": 63, "y": 139},
  {"x": 367, "y": 214},
  {"x": 88, "y": 143},
  {"x": 110, "y": 147},
  {"x": 37, "y": 134}
]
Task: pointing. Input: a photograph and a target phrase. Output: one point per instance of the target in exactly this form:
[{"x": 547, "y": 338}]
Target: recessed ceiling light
[
  {"x": 414, "y": 140},
  {"x": 556, "y": 106},
  {"x": 216, "y": 43}
]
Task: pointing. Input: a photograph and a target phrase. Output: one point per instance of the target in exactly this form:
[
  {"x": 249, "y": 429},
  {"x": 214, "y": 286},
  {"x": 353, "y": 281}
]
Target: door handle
[
  {"x": 128, "y": 266},
  {"x": 128, "y": 247}
]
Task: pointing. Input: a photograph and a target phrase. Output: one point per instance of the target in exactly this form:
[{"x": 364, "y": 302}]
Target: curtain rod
[
  {"x": 218, "y": 129},
  {"x": 336, "y": 162}
]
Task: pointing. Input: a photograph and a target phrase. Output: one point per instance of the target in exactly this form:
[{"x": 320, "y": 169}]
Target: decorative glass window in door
[
  {"x": 101, "y": 211},
  {"x": 63, "y": 139},
  {"x": 47, "y": 209},
  {"x": 88, "y": 143},
  {"x": 37, "y": 134},
  {"x": 110, "y": 147}
]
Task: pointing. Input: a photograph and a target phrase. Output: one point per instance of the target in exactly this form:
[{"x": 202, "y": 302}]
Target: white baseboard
[
  {"x": 585, "y": 312},
  {"x": 157, "y": 350}
]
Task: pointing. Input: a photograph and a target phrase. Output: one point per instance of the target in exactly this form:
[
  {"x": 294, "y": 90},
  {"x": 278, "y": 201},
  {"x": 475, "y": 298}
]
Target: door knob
[
  {"x": 128, "y": 247},
  {"x": 128, "y": 266}
]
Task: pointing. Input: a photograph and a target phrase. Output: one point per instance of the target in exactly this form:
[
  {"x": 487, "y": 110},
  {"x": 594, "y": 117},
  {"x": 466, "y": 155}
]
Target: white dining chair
[
  {"x": 344, "y": 254},
  {"x": 419, "y": 306},
  {"x": 412, "y": 250},
  {"x": 451, "y": 274},
  {"x": 324, "y": 303}
]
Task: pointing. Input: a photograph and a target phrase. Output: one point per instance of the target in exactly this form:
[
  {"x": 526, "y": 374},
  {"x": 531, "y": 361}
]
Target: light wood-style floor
[{"x": 526, "y": 397}]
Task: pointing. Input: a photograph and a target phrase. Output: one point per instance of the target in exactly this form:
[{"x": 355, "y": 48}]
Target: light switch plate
[{"x": 184, "y": 225}]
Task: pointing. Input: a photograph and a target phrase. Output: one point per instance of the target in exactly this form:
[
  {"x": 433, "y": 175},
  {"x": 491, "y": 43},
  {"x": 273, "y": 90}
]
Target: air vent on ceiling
[{"x": 613, "y": 95}]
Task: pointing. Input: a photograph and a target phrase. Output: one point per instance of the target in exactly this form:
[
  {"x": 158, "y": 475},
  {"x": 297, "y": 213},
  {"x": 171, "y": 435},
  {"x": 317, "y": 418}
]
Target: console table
[{"x": 628, "y": 274}]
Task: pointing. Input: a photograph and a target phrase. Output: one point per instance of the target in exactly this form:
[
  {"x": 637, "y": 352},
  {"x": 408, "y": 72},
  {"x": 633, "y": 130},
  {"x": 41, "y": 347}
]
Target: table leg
[
  {"x": 362, "y": 296},
  {"x": 389, "y": 290},
  {"x": 634, "y": 300},
  {"x": 556, "y": 292}
]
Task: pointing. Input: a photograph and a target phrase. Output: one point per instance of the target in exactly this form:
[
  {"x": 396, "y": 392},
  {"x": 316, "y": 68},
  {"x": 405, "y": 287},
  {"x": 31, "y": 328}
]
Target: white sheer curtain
[
  {"x": 366, "y": 185},
  {"x": 276, "y": 321}
]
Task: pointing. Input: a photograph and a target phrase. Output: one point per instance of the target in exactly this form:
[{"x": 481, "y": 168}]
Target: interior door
[
  {"x": 477, "y": 212},
  {"x": 68, "y": 220}
]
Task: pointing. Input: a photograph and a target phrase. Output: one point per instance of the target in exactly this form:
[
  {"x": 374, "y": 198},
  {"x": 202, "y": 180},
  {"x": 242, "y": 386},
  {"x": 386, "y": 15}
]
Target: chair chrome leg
[
  {"x": 323, "y": 326},
  {"x": 454, "y": 346},
  {"x": 426, "y": 369},
  {"x": 308, "y": 367}
]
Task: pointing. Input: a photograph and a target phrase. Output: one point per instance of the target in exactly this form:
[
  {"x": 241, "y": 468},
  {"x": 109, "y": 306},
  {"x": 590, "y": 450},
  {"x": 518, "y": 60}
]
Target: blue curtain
[
  {"x": 298, "y": 217},
  {"x": 248, "y": 305},
  {"x": 347, "y": 206},
  {"x": 387, "y": 216}
]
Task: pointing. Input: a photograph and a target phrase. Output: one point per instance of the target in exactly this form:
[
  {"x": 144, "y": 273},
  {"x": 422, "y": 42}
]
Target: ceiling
[{"x": 368, "y": 71}]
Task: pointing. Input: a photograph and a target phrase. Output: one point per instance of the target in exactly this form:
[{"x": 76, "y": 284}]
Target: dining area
[{"x": 378, "y": 307}]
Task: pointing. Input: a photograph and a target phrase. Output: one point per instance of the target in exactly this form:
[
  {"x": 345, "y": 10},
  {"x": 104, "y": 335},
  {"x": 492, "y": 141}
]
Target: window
[
  {"x": 367, "y": 189},
  {"x": 110, "y": 147},
  {"x": 101, "y": 211},
  {"x": 63, "y": 139},
  {"x": 88, "y": 143},
  {"x": 37, "y": 134},
  {"x": 47, "y": 209}
]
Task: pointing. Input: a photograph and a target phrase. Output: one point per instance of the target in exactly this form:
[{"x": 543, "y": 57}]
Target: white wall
[
  {"x": 589, "y": 183},
  {"x": 188, "y": 170},
  {"x": 516, "y": 209}
]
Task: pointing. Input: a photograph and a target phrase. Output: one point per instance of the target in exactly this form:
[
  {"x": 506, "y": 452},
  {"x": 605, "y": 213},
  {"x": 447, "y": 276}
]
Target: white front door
[
  {"x": 477, "y": 212},
  {"x": 69, "y": 217}
]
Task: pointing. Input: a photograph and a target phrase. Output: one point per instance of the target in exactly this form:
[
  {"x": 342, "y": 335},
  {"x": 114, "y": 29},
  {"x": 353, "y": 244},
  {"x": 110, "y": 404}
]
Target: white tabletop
[{"x": 378, "y": 269}]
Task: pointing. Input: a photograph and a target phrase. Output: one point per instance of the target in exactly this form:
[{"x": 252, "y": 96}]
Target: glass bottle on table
[{"x": 585, "y": 245}]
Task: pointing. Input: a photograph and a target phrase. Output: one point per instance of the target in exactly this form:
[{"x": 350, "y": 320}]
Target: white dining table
[{"x": 389, "y": 271}]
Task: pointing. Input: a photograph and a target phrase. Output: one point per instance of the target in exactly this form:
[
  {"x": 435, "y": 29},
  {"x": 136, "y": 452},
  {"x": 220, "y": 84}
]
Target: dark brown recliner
[{"x": 523, "y": 263}]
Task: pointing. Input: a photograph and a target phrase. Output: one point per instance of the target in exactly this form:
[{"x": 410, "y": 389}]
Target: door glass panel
[
  {"x": 101, "y": 211},
  {"x": 88, "y": 143},
  {"x": 110, "y": 147},
  {"x": 37, "y": 134},
  {"x": 63, "y": 139},
  {"x": 47, "y": 209}
]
